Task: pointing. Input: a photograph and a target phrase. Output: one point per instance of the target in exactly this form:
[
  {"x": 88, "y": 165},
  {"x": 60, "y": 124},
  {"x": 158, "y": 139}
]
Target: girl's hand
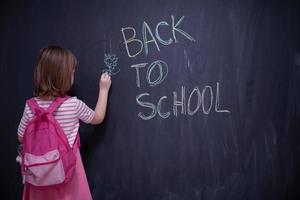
[{"x": 105, "y": 82}]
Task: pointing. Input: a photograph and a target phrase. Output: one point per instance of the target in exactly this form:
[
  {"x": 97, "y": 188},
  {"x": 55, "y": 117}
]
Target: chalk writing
[
  {"x": 204, "y": 101},
  {"x": 111, "y": 62},
  {"x": 183, "y": 102},
  {"x": 148, "y": 37},
  {"x": 163, "y": 72}
]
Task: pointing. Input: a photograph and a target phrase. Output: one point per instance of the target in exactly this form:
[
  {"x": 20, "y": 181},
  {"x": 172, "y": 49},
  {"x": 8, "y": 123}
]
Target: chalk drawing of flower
[{"x": 111, "y": 62}]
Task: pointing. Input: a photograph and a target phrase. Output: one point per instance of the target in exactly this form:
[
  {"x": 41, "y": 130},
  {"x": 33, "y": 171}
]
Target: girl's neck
[{"x": 47, "y": 98}]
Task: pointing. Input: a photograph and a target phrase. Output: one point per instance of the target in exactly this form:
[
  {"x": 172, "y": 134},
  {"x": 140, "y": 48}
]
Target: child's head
[{"x": 54, "y": 73}]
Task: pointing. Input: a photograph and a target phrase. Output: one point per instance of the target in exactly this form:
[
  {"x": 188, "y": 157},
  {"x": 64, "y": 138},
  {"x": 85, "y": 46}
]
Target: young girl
[{"x": 53, "y": 77}]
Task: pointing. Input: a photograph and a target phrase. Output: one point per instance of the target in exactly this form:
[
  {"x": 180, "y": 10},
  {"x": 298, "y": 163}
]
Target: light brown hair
[{"x": 54, "y": 71}]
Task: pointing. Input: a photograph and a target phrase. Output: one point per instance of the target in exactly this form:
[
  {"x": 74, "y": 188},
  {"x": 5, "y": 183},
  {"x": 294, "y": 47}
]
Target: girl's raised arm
[{"x": 100, "y": 110}]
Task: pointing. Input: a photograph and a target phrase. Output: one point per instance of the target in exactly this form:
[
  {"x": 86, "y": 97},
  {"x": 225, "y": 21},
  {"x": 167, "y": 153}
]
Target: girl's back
[{"x": 67, "y": 115}]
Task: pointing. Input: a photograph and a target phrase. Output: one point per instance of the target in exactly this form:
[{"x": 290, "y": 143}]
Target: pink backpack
[{"x": 47, "y": 158}]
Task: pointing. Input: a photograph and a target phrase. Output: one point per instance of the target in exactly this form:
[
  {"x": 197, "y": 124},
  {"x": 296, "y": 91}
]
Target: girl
[{"x": 53, "y": 77}]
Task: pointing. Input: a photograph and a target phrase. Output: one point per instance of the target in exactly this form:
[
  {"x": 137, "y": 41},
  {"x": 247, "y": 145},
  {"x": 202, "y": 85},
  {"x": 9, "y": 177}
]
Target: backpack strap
[
  {"x": 76, "y": 144},
  {"x": 36, "y": 109},
  {"x": 56, "y": 103}
]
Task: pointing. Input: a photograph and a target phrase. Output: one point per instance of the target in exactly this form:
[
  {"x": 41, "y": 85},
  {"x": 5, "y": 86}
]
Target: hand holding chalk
[{"x": 105, "y": 82}]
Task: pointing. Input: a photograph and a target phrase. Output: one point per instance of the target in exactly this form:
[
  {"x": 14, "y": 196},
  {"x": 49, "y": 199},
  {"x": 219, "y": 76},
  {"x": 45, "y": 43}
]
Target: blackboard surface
[{"x": 204, "y": 102}]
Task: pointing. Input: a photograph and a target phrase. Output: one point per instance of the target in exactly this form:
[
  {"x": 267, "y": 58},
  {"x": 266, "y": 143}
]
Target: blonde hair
[{"x": 54, "y": 71}]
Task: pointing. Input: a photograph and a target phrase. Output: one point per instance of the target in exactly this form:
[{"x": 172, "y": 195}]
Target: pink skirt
[{"x": 77, "y": 189}]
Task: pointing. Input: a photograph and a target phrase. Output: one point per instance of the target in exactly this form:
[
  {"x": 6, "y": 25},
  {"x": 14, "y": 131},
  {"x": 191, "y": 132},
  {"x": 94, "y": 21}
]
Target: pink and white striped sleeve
[
  {"x": 84, "y": 113},
  {"x": 24, "y": 121}
]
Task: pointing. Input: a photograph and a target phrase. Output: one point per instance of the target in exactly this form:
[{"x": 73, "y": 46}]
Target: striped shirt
[{"x": 67, "y": 114}]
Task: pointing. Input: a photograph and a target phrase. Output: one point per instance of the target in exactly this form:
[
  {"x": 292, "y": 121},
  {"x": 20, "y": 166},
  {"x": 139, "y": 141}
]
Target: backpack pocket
[{"x": 44, "y": 170}]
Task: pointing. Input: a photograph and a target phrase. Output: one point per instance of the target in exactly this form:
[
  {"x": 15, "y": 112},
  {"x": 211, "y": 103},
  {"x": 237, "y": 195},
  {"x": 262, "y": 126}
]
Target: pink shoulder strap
[
  {"x": 56, "y": 103},
  {"x": 35, "y": 108}
]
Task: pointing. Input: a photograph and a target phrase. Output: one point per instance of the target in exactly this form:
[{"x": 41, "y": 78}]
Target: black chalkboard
[{"x": 204, "y": 101}]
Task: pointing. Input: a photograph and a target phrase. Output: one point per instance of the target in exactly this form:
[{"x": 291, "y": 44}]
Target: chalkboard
[{"x": 204, "y": 103}]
